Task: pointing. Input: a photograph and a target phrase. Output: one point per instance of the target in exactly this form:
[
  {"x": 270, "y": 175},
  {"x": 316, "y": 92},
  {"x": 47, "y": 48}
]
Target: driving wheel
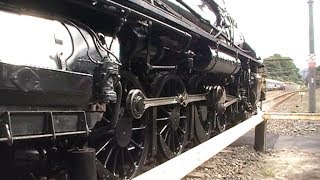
[
  {"x": 172, "y": 120},
  {"x": 121, "y": 146}
]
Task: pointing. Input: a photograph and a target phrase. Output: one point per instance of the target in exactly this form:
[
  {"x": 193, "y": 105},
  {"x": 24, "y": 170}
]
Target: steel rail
[
  {"x": 277, "y": 96},
  {"x": 183, "y": 164},
  {"x": 282, "y": 99},
  {"x": 269, "y": 104}
]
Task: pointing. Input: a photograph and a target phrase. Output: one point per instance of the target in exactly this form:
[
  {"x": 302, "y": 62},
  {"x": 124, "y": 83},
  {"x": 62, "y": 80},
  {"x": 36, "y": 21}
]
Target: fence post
[{"x": 260, "y": 136}]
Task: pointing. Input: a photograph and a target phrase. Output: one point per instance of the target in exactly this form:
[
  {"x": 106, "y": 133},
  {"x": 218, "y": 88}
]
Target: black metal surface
[
  {"x": 203, "y": 124},
  {"x": 123, "y": 132},
  {"x": 151, "y": 39},
  {"x": 18, "y": 125},
  {"x": 212, "y": 61},
  {"x": 203, "y": 113},
  {"x": 23, "y": 85},
  {"x": 153, "y": 13},
  {"x": 82, "y": 164}
]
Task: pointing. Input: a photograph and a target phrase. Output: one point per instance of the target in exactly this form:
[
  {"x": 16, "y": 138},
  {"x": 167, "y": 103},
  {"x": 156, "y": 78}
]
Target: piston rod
[{"x": 137, "y": 102}]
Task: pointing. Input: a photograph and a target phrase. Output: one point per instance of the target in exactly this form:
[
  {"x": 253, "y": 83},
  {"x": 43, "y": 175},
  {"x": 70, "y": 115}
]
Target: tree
[{"x": 282, "y": 68}]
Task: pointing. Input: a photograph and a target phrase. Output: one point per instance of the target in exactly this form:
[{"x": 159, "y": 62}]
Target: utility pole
[{"x": 312, "y": 62}]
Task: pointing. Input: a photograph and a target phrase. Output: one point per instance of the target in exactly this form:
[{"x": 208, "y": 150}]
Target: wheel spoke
[
  {"x": 131, "y": 159},
  {"x": 163, "y": 119},
  {"x": 106, "y": 119},
  {"x": 164, "y": 128},
  {"x": 136, "y": 144},
  {"x": 173, "y": 142},
  {"x": 115, "y": 160},
  {"x": 209, "y": 126},
  {"x": 178, "y": 145},
  {"x": 183, "y": 131},
  {"x": 166, "y": 136},
  {"x": 139, "y": 128},
  {"x": 108, "y": 157},
  {"x": 169, "y": 139},
  {"x": 104, "y": 146},
  {"x": 131, "y": 148},
  {"x": 123, "y": 163},
  {"x": 178, "y": 137}
]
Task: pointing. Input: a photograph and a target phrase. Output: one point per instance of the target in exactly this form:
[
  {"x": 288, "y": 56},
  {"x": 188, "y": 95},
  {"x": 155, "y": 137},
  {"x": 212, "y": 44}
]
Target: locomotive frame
[{"x": 177, "y": 81}]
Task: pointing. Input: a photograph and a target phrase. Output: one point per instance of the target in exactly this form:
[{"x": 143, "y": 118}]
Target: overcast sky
[{"x": 278, "y": 26}]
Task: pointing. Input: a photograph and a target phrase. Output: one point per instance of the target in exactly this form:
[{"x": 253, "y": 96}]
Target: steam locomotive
[{"x": 91, "y": 89}]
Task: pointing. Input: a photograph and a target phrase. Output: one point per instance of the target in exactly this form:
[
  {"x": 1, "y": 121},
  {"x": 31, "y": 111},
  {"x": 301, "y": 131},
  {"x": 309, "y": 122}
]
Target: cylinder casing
[{"x": 210, "y": 60}]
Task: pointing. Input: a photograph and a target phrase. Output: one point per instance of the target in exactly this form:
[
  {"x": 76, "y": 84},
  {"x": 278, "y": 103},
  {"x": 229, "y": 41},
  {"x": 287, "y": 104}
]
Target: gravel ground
[
  {"x": 232, "y": 163},
  {"x": 294, "y": 127},
  {"x": 243, "y": 162}
]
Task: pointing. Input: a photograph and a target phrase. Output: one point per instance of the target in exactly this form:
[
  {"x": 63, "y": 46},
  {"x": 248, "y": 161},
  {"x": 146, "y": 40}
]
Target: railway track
[
  {"x": 275, "y": 93},
  {"x": 275, "y": 100}
]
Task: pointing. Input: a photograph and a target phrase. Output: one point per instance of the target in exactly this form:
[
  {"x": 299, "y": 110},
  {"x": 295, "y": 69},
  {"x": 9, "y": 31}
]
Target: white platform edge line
[
  {"x": 292, "y": 116},
  {"x": 183, "y": 164}
]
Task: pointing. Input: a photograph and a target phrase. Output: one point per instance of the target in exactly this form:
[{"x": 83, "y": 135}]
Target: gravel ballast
[{"x": 294, "y": 127}]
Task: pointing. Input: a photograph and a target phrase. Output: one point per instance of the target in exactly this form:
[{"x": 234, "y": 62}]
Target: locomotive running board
[{"x": 180, "y": 166}]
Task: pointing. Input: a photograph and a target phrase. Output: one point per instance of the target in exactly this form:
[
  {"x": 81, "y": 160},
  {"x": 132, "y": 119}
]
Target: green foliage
[{"x": 282, "y": 68}]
